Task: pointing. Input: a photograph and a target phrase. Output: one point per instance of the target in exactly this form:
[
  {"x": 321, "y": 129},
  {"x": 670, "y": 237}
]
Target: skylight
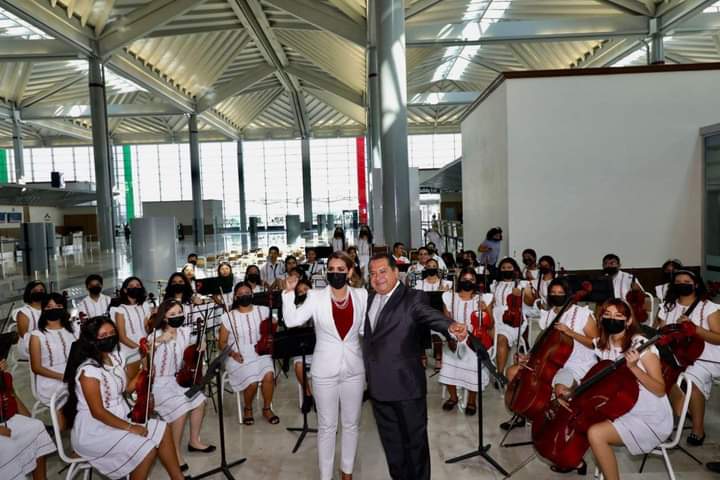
[
  {"x": 114, "y": 82},
  {"x": 14, "y": 27}
]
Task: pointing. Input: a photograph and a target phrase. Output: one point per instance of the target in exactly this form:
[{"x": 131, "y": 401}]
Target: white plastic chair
[
  {"x": 38, "y": 407},
  {"x": 75, "y": 465},
  {"x": 238, "y": 396}
]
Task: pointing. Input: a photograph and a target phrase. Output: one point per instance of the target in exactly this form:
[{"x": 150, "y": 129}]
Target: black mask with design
[
  {"x": 107, "y": 344},
  {"x": 613, "y": 326}
]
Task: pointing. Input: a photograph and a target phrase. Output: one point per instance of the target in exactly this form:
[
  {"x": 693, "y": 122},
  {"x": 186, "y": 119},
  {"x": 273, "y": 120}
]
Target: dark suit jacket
[{"x": 392, "y": 352}]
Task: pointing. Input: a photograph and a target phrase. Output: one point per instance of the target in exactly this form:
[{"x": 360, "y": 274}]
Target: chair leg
[
  {"x": 668, "y": 465},
  {"x": 642, "y": 465}
]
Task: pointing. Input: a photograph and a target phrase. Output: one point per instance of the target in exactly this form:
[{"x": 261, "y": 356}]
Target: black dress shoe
[
  {"x": 307, "y": 404},
  {"x": 519, "y": 422},
  {"x": 695, "y": 441},
  {"x": 208, "y": 449},
  {"x": 184, "y": 467},
  {"x": 713, "y": 466}
]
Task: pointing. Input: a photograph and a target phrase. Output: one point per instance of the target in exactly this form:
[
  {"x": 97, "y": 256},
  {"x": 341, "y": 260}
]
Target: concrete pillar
[
  {"x": 103, "y": 191},
  {"x": 241, "y": 185},
  {"x": 18, "y": 146},
  {"x": 196, "y": 181},
  {"x": 307, "y": 184},
  {"x": 657, "y": 46},
  {"x": 373, "y": 127},
  {"x": 389, "y": 19}
]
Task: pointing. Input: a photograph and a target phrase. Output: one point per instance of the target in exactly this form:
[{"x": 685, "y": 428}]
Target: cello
[
  {"x": 529, "y": 393},
  {"x": 145, "y": 403}
]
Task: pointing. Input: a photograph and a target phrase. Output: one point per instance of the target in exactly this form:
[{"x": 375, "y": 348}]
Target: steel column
[
  {"x": 18, "y": 146},
  {"x": 196, "y": 181},
  {"x": 373, "y": 126},
  {"x": 307, "y": 184},
  {"x": 241, "y": 186}
]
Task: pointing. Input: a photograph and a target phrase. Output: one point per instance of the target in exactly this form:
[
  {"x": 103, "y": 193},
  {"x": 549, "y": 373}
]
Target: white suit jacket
[{"x": 333, "y": 356}]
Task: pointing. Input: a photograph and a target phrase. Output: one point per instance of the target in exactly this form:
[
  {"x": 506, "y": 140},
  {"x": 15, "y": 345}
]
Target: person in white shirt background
[
  {"x": 364, "y": 246},
  {"x": 96, "y": 303},
  {"x": 273, "y": 269},
  {"x": 337, "y": 242},
  {"x": 399, "y": 254},
  {"x": 668, "y": 268},
  {"x": 623, "y": 282},
  {"x": 530, "y": 267},
  {"x": 26, "y": 318},
  {"x": 313, "y": 266}
]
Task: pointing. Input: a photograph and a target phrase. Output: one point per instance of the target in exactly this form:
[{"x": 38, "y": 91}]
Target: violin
[
  {"x": 264, "y": 346},
  {"x": 560, "y": 436},
  {"x": 191, "y": 372},
  {"x": 145, "y": 403},
  {"x": 8, "y": 403},
  {"x": 636, "y": 300},
  {"x": 513, "y": 315},
  {"x": 529, "y": 393},
  {"x": 482, "y": 324}
]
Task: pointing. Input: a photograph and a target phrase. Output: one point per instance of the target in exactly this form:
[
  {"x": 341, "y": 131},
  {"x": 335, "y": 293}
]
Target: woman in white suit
[{"x": 337, "y": 370}]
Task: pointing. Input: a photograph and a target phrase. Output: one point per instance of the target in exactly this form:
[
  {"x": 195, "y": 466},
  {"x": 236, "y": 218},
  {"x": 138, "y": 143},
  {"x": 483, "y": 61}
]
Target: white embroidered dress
[{"x": 254, "y": 366}]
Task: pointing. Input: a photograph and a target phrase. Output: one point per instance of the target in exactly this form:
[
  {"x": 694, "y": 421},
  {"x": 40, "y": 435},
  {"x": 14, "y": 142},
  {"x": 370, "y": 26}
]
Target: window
[
  {"x": 333, "y": 170},
  {"x": 434, "y": 151}
]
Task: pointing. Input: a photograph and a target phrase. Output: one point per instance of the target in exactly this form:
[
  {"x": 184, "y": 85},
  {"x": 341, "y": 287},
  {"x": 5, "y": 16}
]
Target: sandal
[
  {"x": 248, "y": 419},
  {"x": 272, "y": 419},
  {"x": 470, "y": 410},
  {"x": 695, "y": 441},
  {"x": 449, "y": 404}
]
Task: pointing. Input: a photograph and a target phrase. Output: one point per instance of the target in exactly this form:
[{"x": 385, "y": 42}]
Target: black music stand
[
  {"x": 215, "y": 370},
  {"x": 293, "y": 343},
  {"x": 483, "y": 359}
]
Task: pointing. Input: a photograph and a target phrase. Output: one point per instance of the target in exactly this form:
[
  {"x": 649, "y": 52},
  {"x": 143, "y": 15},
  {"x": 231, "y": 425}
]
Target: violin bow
[
  {"x": 150, "y": 376},
  {"x": 230, "y": 319},
  {"x": 203, "y": 335}
]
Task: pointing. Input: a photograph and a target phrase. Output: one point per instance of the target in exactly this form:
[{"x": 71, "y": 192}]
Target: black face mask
[
  {"x": 527, "y": 261},
  {"x": 611, "y": 271},
  {"x": 613, "y": 326},
  {"x": 429, "y": 272},
  {"x": 466, "y": 285},
  {"x": 53, "y": 314},
  {"x": 683, "y": 289},
  {"x": 37, "y": 297},
  {"x": 193, "y": 262},
  {"x": 176, "y": 321},
  {"x": 557, "y": 300},
  {"x": 300, "y": 299},
  {"x": 507, "y": 274},
  {"x": 337, "y": 280},
  {"x": 243, "y": 301},
  {"x": 136, "y": 292},
  {"x": 175, "y": 289},
  {"x": 107, "y": 344},
  {"x": 253, "y": 278},
  {"x": 95, "y": 290},
  {"x": 545, "y": 270}
]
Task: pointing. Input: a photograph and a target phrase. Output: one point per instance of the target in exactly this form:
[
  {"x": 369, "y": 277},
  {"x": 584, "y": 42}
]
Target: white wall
[
  {"x": 600, "y": 164},
  {"x": 484, "y": 168},
  {"x": 183, "y": 211}
]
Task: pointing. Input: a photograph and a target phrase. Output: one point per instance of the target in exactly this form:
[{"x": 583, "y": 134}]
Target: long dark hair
[
  {"x": 28, "y": 289},
  {"x": 123, "y": 291},
  {"x": 466, "y": 271},
  {"x": 237, "y": 287},
  {"x": 82, "y": 350},
  {"x": 158, "y": 320},
  {"x": 671, "y": 297},
  {"x": 224, "y": 264},
  {"x": 632, "y": 330},
  {"x": 64, "y": 320},
  {"x": 366, "y": 232},
  {"x": 549, "y": 260},
  {"x": 511, "y": 261},
  {"x": 187, "y": 288}
]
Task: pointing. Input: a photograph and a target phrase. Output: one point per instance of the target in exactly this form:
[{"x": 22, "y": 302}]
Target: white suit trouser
[{"x": 343, "y": 394}]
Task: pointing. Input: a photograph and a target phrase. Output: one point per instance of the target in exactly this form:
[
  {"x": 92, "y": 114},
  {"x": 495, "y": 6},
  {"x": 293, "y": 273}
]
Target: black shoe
[
  {"x": 307, "y": 404},
  {"x": 184, "y": 467},
  {"x": 581, "y": 470},
  {"x": 713, "y": 466},
  {"x": 496, "y": 384},
  {"x": 208, "y": 449},
  {"x": 50, "y": 430},
  {"x": 519, "y": 422},
  {"x": 695, "y": 441}
]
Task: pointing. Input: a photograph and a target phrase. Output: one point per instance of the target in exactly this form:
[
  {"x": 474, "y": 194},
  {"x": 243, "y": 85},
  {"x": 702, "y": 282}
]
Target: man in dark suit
[{"x": 395, "y": 374}]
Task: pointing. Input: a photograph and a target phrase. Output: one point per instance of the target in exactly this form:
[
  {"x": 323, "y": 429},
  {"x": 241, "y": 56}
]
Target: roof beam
[
  {"x": 633, "y": 7},
  {"x": 172, "y": 31},
  {"x": 142, "y": 21},
  {"x": 14, "y": 50},
  {"x": 297, "y": 99},
  {"x": 325, "y": 18},
  {"x": 342, "y": 105},
  {"x": 326, "y": 82},
  {"x": 52, "y": 90},
  {"x": 233, "y": 87},
  {"x": 443, "y": 98},
  {"x": 351, "y": 8},
  {"x": 610, "y": 52},
  {"x": 113, "y": 110},
  {"x": 683, "y": 12},
  {"x": 419, "y": 7},
  {"x": 65, "y": 128}
]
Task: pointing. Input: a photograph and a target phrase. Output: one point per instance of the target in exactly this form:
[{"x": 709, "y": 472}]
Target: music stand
[
  {"x": 215, "y": 370},
  {"x": 483, "y": 359},
  {"x": 293, "y": 343}
]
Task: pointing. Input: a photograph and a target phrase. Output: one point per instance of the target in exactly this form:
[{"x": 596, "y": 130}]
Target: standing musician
[
  {"x": 364, "y": 246},
  {"x": 171, "y": 404},
  {"x": 650, "y": 421},
  {"x": 313, "y": 266},
  {"x": 96, "y": 378},
  {"x": 688, "y": 291},
  {"x": 50, "y": 346},
  {"x": 668, "y": 270},
  {"x": 509, "y": 284},
  {"x": 272, "y": 270},
  {"x": 579, "y": 324},
  {"x": 24, "y": 442},
  {"x": 338, "y": 371},
  {"x": 415, "y": 271},
  {"x": 240, "y": 330},
  {"x": 28, "y": 315},
  {"x": 301, "y": 290},
  {"x": 131, "y": 317},
  {"x": 623, "y": 282},
  {"x": 96, "y": 303},
  {"x": 252, "y": 278},
  {"x": 530, "y": 270},
  {"x": 338, "y": 240},
  {"x": 459, "y": 366}
]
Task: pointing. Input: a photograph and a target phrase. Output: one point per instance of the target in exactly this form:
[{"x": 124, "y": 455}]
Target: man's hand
[{"x": 459, "y": 330}]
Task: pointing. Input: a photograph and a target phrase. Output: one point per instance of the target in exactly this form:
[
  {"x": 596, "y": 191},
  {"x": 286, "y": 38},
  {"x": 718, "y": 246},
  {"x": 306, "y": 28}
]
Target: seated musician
[
  {"x": 688, "y": 291},
  {"x": 546, "y": 268},
  {"x": 431, "y": 282},
  {"x": 301, "y": 290},
  {"x": 131, "y": 317},
  {"x": 432, "y": 250},
  {"x": 312, "y": 266},
  {"x": 96, "y": 379},
  {"x": 291, "y": 264},
  {"x": 24, "y": 442},
  {"x": 179, "y": 289},
  {"x": 252, "y": 278},
  {"x": 414, "y": 273},
  {"x": 459, "y": 366},
  {"x": 171, "y": 404},
  {"x": 530, "y": 269},
  {"x": 96, "y": 303},
  {"x": 668, "y": 270},
  {"x": 577, "y": 323},
  {"x": 273, "y": 269},
  {"x": 510, "y": 283},
  {"x": 240, "y": 329},
  {"x": 623, "y": 282},
  {"x": 650, "y": 421},
  {"x": 356, "y": 276},
  {"x": 28, "y": 315}
]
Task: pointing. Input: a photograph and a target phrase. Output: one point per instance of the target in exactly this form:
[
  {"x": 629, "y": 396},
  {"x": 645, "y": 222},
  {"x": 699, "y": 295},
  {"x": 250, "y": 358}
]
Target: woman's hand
[
  {"x": 564, "y": 329},
  {"x": 237, "y": 357},
  {"x": 632, "y": 357},
  {"x": 521, "y": 358},
  {"x": 5, "y": 432},
  {"x": 291, "y": 282},
  {"x": 138, "y": 430},
  {"x": 3, "y": 365}
]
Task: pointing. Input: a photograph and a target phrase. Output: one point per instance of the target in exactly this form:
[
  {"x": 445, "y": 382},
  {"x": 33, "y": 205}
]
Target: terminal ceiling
[{"x": 264, "y": 69}]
